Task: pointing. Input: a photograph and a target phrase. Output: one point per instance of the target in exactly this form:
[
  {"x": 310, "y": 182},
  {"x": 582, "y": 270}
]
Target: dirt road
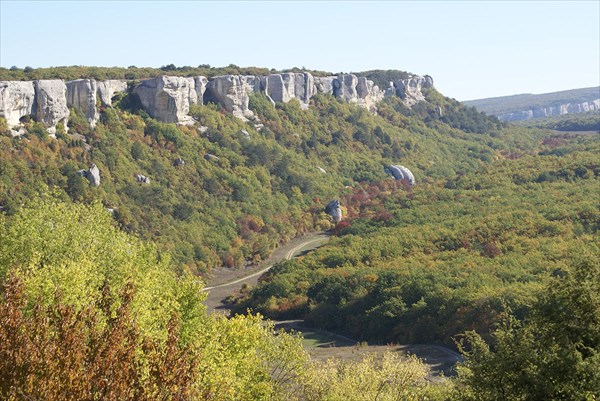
[
  {"x": 227, "y": 281},
  {"x": 319, "y": 343}
]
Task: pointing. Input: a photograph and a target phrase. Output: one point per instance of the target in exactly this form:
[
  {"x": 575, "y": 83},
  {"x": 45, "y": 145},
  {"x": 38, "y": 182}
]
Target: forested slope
[
  {"x": 424, "y": 264},
  {"x": 526, "y": 101},
  {"x": 501, "y": 227},
  {"x": 237, "y": 196}
]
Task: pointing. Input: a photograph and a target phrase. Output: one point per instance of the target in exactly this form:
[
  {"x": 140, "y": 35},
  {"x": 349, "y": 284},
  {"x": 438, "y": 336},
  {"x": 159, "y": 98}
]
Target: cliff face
[
  {"x": 168, "y": 98},
  {"x": 527, "y": 106},
  {"x": 48, "y": 101},
  {"x": 567, "y": 108},
  {"x": 16, "y": 100}
]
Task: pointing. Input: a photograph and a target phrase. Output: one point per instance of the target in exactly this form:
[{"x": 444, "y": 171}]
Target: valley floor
[{"x": 320, "y": 344}]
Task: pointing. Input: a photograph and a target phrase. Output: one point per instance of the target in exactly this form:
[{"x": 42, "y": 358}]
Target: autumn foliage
[{"x": 56, "y": 353}]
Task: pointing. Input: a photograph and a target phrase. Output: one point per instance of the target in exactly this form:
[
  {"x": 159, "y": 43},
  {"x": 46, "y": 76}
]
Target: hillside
[
  {"x": 527, "y": 106},
  {"x": 118, "y": 194},
  {"x": 423, "y": 264},
  {"x": 223, "y": 190},
  {"x": 588, "y": 121}
]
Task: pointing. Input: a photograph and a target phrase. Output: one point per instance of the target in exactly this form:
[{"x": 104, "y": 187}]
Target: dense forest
[
  {"x": 423, "y": 264},
  {"x": 494, "y": 251}
]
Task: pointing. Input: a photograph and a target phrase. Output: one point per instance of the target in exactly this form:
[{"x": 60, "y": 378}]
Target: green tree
[{"x": 553, "y": 355}]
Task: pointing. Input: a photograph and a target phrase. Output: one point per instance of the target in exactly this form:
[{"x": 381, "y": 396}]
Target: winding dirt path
[{"x": 226, "y": 281}]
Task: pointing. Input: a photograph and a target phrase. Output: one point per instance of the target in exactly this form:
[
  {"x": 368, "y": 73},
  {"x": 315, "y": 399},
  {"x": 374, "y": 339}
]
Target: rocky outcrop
[
  {"x": 200, "y": 83},
  {"x": 92, "y": 174},
  {"x": 352, "y": 89},
  {"x": 233, "y": 93},
  {"x": 276, "y": 88},
  {"x": 108, "y": 88},
  {"x": 344, "y": 88},
  {"x": 16, "y": 100},
  {"x": 400, "y": 173},
  {"x": 211, "y": 158},
  {"x": 81, "y": 95},
  {"x": 568, "y": 108},
  {"x": 324, "y": 84},
  {"x": 51, "y": 103},
  {"x": 287, "y": 86},
  {"x": 142, "y": 179},
  {"x": 368, "y": 94},
  {"x": 410, "y": 90},
  {"x": 334, "y": 209},
  {"x": 167, "y": 98}
]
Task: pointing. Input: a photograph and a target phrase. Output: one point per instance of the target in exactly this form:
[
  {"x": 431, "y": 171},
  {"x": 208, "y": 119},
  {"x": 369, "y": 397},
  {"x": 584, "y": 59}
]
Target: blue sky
[{"x": 472, "y": 49}]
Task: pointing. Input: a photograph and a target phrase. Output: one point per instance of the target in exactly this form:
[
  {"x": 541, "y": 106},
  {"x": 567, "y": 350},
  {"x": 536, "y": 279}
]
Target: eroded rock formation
[
  {"x": 168, "y": 98},
  {"x": 92, "y": 174},
  {"x": 81, "y": 95},
  {"x": 108, "y": 88},
  {"x": 411, "y": 90},
  {"x": 16, "y": 100},
  {"x": 51, "y": 103},
  {"x": 287, "y": 86},
  {"x": 567, "y": 108},
  {"x": 233, "y": 93},
  {"x": 334, "y": 209},
  {"x": 400, "y": 173}
]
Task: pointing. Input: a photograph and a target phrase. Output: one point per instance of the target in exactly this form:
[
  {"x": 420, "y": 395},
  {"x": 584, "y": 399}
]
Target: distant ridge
[{"x": 527, "y": 106}]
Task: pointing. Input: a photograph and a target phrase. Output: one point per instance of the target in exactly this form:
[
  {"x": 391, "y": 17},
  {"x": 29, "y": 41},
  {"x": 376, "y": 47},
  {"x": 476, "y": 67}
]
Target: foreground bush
[
  {"x": 387, "y": 379},
  {"x": 554, "y": 354},
  {"x": 56, "y": 353},
  {"x": 88, "y": 312}
]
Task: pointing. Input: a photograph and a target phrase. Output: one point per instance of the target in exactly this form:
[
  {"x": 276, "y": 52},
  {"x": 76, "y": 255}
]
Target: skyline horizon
[
  {"x": 166, "y": 73},
  {"x": 473, "y": 50}
]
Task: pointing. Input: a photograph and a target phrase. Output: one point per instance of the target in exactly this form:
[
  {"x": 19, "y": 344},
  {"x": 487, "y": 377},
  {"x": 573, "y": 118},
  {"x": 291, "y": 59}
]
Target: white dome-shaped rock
[{"x": 400, "y": 173}]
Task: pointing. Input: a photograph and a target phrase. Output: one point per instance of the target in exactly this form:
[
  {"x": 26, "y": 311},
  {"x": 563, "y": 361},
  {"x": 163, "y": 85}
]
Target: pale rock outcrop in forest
[
  {"x": 81, "y": 95},
  {"x": 233, "y": 93}
]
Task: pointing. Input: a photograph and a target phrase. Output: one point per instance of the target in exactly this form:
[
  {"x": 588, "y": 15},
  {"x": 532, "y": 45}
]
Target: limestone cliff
[
  {"x": 528, "y": 106},
  {"x": 568, "y": 108},
  {"x": 81, "y": 95},
  {"x": 16, "y": 100},
  {"x": 107, "y": 89},
  {"x": 287, "y": 86},
  {"x": 50, "y": 105},
  {"x": 168, "y": 98},
  {"x": 411, "y": 90},
  {"x": 233, "y": 93}
]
